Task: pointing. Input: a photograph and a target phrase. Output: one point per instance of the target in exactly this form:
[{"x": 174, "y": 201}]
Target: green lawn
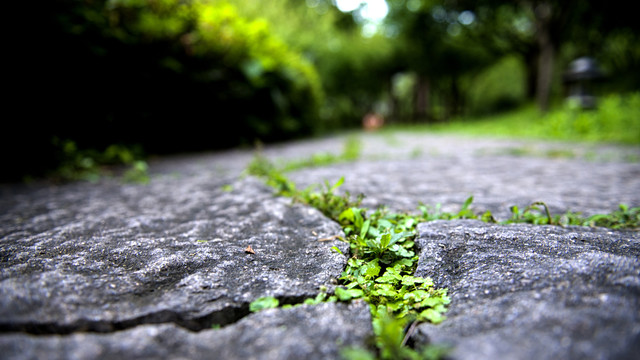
[{"x": 616, "y": 120}]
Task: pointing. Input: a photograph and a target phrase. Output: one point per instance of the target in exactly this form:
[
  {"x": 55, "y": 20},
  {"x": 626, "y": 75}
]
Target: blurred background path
[{"x": 402, "y": 170}]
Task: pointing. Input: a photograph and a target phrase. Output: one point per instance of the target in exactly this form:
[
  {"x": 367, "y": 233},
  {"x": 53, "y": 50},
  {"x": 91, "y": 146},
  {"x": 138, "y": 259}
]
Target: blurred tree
[
  {"x": 432, "y": 46},
  {"x": 172, "y": 75},
  {"x": 538, "y": 30},
  {"x": 354, "y": 69}
]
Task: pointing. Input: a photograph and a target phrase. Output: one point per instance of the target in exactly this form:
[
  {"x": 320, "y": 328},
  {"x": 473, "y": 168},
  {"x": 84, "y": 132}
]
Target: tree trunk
[
  {"x": 422, "y": 101},
  {"x": 531, "y": 59},
  {"x": 456, "y": 103},
  {"x": 394, "y": 103},
  {"x": 543, "y": 14}
]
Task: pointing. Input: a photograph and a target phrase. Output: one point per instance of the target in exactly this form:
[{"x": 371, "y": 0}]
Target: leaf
[
  {"x": 467, "y": 203},
  {"x": 365, "y": 228},
  {"x": 337, "y": 184},
  {"x": 351, "y": 353},
  {"x": 409, "y": 280},
  {"x": 267, "y": 302},
  {"x": 351, "y": 215},
  {"x": 384, "y": 240},
  {"x": 335, "y": 248},
  {"x": 386, "y": 290},
  {"x": 395, "y": 306},
  {"x": 409, "y": 223},
  {"x": 416, "y": 295},
  {"x": 431, "y": 302},
  {"x": 371, "y": 268},
  {"x": 352, "y": 284},
  {"x": 348, "y": 294},
  {"x": 431, "y": 315},
  {"x": 404, "y": 263},
  {"x": 428, "y": 282},
  {"x": 401, "y": 252},
  {"x": 317, "y": 300},
  {"x": 390, "y": 276},
  {"x": 385, "y": 224}
]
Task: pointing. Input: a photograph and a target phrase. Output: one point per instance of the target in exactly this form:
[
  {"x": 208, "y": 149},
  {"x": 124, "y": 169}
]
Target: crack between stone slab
[{"x": 221, "y": 318}]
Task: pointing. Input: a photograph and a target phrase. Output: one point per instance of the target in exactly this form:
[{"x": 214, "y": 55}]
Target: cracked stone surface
[
  {"x": 305, "y": 332},
  {"x": 111, "y": 270},
  {"x": 400, "y": 170},
  {"x": 108, "y": 257},
  {"x": 496, "y": 183},
  {"x": 533, "y": 292}
]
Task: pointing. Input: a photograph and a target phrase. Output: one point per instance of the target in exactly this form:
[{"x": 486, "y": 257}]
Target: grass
[{"x": 616, "y": 120}]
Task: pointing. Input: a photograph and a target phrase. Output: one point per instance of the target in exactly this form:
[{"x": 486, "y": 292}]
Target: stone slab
[
  {"x": 533, "y": 292},
  {"x": 105, "y": 257},
  {"x": 495, "y": 182},
  {"x": 306, "y": 332}
]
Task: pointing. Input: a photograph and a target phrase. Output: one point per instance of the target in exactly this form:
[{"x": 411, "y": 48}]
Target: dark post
[{"x": 582, "y": 73}]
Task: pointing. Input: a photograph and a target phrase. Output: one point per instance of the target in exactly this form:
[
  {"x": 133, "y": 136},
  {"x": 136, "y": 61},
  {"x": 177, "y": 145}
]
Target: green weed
[
  {"x": 267, "y": 302},
  {"x": 91, "y": 165},
  {"x": 382, "y": 263},
  {"x": 351, "y": 151},
  {"x": 538, "y": 213},
  {"x": 328, "y": 201},
  {"x": 137, "y": 173},
  {"x": 624, "y": 218},
  {"x": 260, "y": 166}
]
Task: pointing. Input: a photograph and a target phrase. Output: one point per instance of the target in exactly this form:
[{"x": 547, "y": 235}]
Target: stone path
[
  {"x": 532, "y": 292},
  {"x": 110, "y": 270}
]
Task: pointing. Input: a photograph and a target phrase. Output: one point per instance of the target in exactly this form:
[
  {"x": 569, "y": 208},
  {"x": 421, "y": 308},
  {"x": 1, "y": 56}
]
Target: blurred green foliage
[
  {"x": 190, "y": 75},
  {"x": 496, "y": 89},
  {"x": 354, "y": 69},
  {"x": 615, "y": 120},
  {"x": 169, "y": 75},
  {"x": 92, "y": 165}
]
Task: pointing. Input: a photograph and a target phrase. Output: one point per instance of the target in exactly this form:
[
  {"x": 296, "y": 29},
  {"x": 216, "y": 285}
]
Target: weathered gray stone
[
  {"x": 108, "y": 257},
  {"x": 495, "y": 182},
  {"x": 533, "y": 292},
  {"x": 127, "y": 259},
  {"x": 305, "y": 332}
]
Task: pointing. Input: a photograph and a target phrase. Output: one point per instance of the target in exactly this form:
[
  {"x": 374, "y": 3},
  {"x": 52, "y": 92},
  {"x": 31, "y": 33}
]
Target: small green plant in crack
[
  {"x": 260, "y": 166},
  {"x": 138, "y": 173},
  {"x": 430, "y": 213},
  {"x": 351, "y": 152},
  {"x": 327, "y": 200},
  {"x": 382, "y": 263},
  {"x": 538, "y": 213},
  {"x": 624, "y": 218},
  {"x": 383, "y": 260},
  {"x": 267, "y": 302},
  {"x": 532, "y": 214}
]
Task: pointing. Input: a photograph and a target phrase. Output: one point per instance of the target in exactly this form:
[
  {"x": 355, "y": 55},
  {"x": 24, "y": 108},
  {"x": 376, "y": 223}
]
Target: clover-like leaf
[
  {"x": 387, "y": 290},
  {"x": 262, "y": 303},
  {"x": 348, "y": 294},
  {"x": 431, "y": 315}
]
